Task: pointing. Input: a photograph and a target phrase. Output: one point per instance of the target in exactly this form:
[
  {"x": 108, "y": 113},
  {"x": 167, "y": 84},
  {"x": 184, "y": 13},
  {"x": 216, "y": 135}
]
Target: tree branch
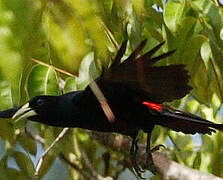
[
  {"x": 40, "y": 162},
  {"x": 91, "y": 167},
  {"x": 168, "y": 169},
  {"x": 74, "y": 166}
]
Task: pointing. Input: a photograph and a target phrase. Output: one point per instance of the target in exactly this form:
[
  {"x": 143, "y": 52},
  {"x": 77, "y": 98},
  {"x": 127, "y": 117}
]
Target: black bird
[{"x": 135, "y": 91}]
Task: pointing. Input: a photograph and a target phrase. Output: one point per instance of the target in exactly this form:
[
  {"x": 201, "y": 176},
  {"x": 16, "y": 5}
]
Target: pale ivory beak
[{"x": 24, "y": 112}]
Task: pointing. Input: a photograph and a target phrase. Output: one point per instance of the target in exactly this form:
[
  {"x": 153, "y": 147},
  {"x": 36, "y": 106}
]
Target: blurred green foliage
[{"x": 82, "y": 37}]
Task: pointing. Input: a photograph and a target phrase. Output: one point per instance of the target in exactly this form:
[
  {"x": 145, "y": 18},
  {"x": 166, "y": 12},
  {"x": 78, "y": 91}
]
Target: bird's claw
[
  {"x": 151, "y": 166},
  {"x": 149, "y": 160},
  {"x": 138, "y": 169},
  {"x": 157, "y": 148},
  {"x": 133, "y": 153}
]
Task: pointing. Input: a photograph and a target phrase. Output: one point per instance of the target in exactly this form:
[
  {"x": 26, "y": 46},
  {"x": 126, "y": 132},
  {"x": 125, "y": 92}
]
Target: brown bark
[{"x": 168, "y": 169}]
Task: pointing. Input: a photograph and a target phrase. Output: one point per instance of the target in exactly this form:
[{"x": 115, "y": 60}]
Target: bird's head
[
  {"x": 37, "y": 109},
  {"x": 57, "y": 111}
]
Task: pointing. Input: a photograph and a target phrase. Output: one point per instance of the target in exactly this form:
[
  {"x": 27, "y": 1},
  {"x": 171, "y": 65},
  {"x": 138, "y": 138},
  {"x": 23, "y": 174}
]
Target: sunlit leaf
[
  {"x": 183, "y": 141},
  {"x": 173, "y": 14},
  {"x": 83, "y": 36},
  {"x": 70, "y": 85},
  {"x": 5, "y": 94},
  {"x": 66, "y": 36},
  {"x": 192, "y": 106},
  {"x": 11, "y": 174},
  {"x": 197, "y": 161},
  {"x": 84, "y": 75},
  {"x": 28, "y": 144},
  {"x": 206, "y": 53},
  {"x": 42, "y": 80},
  {"x": 25, "y": 163},
  {"x": 7, "y": 133},
  {"x": 210, "y": 12}
]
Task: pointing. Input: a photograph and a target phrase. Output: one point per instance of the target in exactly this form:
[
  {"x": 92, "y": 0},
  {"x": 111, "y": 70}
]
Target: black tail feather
[{"x": 187, "y": 123}]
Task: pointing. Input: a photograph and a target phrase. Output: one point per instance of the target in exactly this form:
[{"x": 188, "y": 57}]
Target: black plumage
[{"x": 135, "y": 91}]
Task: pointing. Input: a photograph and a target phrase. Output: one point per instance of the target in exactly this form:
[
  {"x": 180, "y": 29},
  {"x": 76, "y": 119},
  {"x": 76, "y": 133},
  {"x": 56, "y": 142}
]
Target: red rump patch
[{"x": 154, "y": 106}]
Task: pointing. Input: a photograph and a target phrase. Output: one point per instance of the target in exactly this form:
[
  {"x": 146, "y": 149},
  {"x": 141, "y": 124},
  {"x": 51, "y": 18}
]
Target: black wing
[{"x": 155, "y": 83}]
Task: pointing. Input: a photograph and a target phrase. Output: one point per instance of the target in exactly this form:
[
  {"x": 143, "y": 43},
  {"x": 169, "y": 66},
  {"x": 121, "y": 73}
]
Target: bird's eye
[{"x": 40, "y": 102}]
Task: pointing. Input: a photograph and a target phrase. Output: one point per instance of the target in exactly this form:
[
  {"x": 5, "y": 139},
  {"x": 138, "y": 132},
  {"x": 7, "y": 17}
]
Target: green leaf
[
  {"x": 62, "y": 33},
  {"x": 70, "y": 146},
  {"x": 152, "y": 25},
  {"x": 18, "y": 34},
  {"x": 191, "y": 51},
  {"x": 42, "y": 80},
  {"x": 139, "y": 8},
  {"x": 25, "y": 163},
  {"x": 183, "y": 141},
  {"x": 47, "y": 164},
  {"x": 201, "y": 83},
  {"x": 187, "y": 157},
  {"x": 6, "y": 97},
  {"x": 192, "y": 106},
  {"x": 207, "y": 144},
  {"x": 159, "y": 135},
  {"x": 173, "y": 13},
  {"x": 196, "y": 67},
  {"x": 70, "y": 149},
  {"x": 11, "y": 174},
  {"x": 186, "y": 29},
  {"x": 7, "y": 133},
  {"x": 85, "y": 77},
  {"x": 197, "y": 161},
  {"x": 28, "y": 143},
  {"x": 206, "y": 53},
  {"x": 210, "y": 12},
  {"x": 70, "y": 85},
  {"x": 3, "y": 162}
]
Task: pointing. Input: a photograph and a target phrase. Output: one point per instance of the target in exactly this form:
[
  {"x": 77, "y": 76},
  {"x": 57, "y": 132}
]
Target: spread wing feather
[{"x": 157, "y": 83}]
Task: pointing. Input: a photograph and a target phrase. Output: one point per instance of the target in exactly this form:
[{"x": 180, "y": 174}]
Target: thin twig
[
  {"x": 103, "y": 101},
  {"x": 81, "y": 171},
  {"x": 62, "y": 157},
  {"x": 110, "y": 35},
  {"x": 35, "y": 137},
  {"x": 43, "y": 156},
  {"x": 89, "y": 165},
  {"x": 51, "y": 66},
  {"x": 216, "y": 76}
]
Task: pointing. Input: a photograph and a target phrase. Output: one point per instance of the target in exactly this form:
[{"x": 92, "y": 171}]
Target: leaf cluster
[{"x": 82, "y": 38}]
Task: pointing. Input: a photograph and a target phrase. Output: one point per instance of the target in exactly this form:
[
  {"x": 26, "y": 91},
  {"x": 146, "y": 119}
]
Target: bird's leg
[
  {"x": 133, "y": 153},
  {"x": 149, "y": 158}
]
